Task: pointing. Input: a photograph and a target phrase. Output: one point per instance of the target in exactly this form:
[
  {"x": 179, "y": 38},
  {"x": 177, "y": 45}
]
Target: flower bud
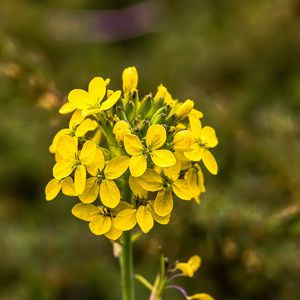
[
  {"x": 185, "y": 109},
  {"x": 130, "y": 79},
  {"x": 120, "y": 129}
]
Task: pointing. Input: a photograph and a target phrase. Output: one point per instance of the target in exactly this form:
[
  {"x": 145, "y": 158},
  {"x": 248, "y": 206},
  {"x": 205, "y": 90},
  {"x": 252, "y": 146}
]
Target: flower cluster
[{"x": 126, "y": 158}]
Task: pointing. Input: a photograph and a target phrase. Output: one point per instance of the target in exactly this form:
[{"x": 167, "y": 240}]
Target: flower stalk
[{"x": 126, "y": 265}]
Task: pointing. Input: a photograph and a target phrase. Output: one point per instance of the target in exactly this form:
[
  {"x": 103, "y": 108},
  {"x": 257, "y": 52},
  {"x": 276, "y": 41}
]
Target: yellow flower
[
  {"x": 155, "y": 139},
  {"x": 190, "y": 267},
  {"x": 102, "y": 181},
  {"x": 90, "y": 102},
  {"x": 78, "y": 126},
  {"x": 200, "y": 296},
  {"x": 144, "y": 216},
  {"x": 100, "y": 218},
  {"x": 165, "y": 185},
  {"x": 120, "y": 129},
  {"x": 130, "y": 80},
  {"x": 73, "y": 159},
  {"x": 205, "y": 138},
  {"x": 54, "y": 186}
]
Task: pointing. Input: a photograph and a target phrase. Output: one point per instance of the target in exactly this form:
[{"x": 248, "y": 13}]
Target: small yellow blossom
[
  {"x": 190, "y": 267},
  {"x": 130, "y": 80},
  {"x": 100, "y": 218},
  {"x": 162, "y": 93},
  {"x": 155, "y": 139},
  {"x": 90, "y": 102},
  {"x": 205, "y": 138},
  {"x": 102, "y": 181},
  {"x": 73, "y": 159}
]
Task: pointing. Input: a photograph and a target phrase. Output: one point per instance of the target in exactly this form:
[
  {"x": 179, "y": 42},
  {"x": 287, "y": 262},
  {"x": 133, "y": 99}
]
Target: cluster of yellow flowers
[{"x": 126, "y": 158}]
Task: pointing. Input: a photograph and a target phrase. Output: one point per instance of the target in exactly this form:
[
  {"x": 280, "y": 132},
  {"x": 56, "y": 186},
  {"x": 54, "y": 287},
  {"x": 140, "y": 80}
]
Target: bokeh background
[{"x": 238, "y": 59}]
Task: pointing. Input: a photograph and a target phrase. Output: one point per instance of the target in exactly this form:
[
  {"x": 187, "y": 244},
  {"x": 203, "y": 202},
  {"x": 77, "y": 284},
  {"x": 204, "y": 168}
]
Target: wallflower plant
[{"x": 128, "y": 161}]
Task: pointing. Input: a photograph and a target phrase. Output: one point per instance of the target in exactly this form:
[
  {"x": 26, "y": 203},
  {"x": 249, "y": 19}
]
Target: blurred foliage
[{"x": 238, "y": 60}]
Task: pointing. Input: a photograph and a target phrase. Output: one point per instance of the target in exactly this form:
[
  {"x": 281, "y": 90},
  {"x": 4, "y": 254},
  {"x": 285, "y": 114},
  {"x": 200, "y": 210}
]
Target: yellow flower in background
[
  {"x": 200, "y": 296},
  {"x": 121, "y": 128},
  {"x": 205, "y": 138},
  {"x": 90, "y": 102},
  {"x": 130, "y": 80},
  {"x": 78, "y": 126},
  {"x": 101, "y": 219},
  {"x": 102, "y": 181},
  {"x": 190, "y": 267},
  {"x": 54, "y": 186},
  {"x": 155, "y": 139},
  {"x": 73, "y": 159}
]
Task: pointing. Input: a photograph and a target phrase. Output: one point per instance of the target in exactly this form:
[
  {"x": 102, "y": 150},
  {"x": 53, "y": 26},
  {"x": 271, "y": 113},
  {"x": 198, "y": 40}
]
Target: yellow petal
[
  {"x": 125, "y": 219},
  {"x": 185, "y": 268},
  {"x": 97, "y": 163},
  {"x": 114, "y": 233},
  {"x": 68, "y": 187},
  {"x": 86, "y": 126},
  {"x": 163, "y": 158},
  {"x": 182, "y": 189},
  {"x": 79, "y": 98},
  {"x": 159, "y": 219},
  {"x": 87, "y": 153},
  {"x": 163, "y": 203},
  {"x": 91, "y": 191},
  {"x": 195, "y": 262},
  {"x": 100, "y": 225},
  {"x": 52, "y": 189},
  {"x": 133, "y": 145},
  {"x": 111, "y": 101},
  {"x": 85, "y": 212},
  {"x": 79, "y": 179},
  {"x": 195, "y": 125},
  {"x": 97, "y": 89},
  {"x": 109, "y": 193},
  {"x": 156, "y": 136},
  {"x": 116, "y": 167},
  {"x": 196, "y": 113},
  {"x": 60, "y": 133},
  {"x": 210, "y": 162},
  {"x": 67, "y": 147},
  {"x": 151, "y": 181},
  {"x": 183, "y": 140},
  {"x": 173, "y": 172},
  {"x": 76, "y": 119},
  {"x": 136, "y": 188},
  {"x": 137, "y": 165},
  {"x": 67, "y": 108},
  {"x": 200, "y": 296},
  {"x": 62, "y": 169},
  {"x": 144, "y": 218},
  {"x": 196, "y": 153},
  {"x": 208, "y": 137}
]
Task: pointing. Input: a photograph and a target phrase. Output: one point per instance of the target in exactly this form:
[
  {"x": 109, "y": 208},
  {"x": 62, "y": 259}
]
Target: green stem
[{"x": 126, "y": 264}]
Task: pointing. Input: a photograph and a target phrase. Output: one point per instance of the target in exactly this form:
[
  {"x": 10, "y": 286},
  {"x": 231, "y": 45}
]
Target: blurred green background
[{"x": 238, "y": 59}]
